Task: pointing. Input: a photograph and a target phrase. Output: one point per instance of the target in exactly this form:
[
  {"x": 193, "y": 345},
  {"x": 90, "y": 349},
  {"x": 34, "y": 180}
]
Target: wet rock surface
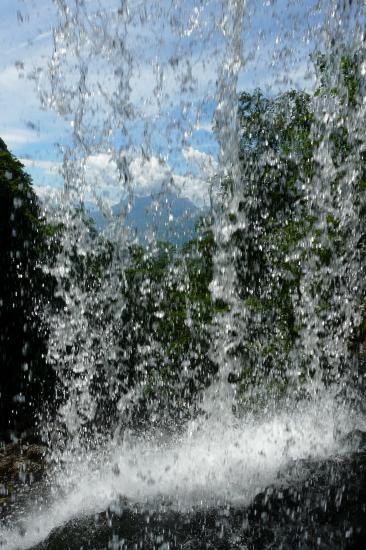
[
  {"x": 21, "y": 466},
  {"x": 315, "y": 504}
]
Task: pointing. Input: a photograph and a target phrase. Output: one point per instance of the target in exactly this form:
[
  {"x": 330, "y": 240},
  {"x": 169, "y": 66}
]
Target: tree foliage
[
  {"x": 294, "y": 214},
  {"x": 25, "y": 380},
  {"x": 157, "y": 316}
]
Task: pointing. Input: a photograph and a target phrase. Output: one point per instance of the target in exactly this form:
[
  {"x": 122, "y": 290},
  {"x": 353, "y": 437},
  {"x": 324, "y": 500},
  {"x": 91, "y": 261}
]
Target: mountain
[{"x": 166, "y": 216}]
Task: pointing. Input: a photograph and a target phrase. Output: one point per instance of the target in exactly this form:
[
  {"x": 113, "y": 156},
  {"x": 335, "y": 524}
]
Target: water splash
[
  {"x": 289, "y": 262},
  {"x": 119, "y": 126},
  {"x": 136, "y": 93},
  {"x": 194, "y": 472},
  {"x": 258, "y": 344}
]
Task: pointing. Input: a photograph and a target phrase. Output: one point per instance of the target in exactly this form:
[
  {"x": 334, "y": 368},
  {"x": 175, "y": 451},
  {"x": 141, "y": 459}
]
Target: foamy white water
[{"x": 211, "y": 465}]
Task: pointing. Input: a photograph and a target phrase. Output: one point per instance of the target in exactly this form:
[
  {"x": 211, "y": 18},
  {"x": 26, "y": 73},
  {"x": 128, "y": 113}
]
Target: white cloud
[
  {"x": 27, "y": 50},
  {"x": 204, "y": 127},
  {"x": 103, "y": 184},
  {"x": 47, "y": 165},
  {"x": 9, "y": 77},
  {"x": 104, "y": 180},
  {"x": 146, "y": 173},
  {"x": 17, "y": 100},
  {"x": 194, "y": 188},
  {"x": 203, "y": 161},
  {"x": 48, "y": 194},
  {"x": 20, "y": 107},
  {"x": 19, "y": 136},
  {"x": 147, "y": 176},
  {"x": 39, "y": 37}
]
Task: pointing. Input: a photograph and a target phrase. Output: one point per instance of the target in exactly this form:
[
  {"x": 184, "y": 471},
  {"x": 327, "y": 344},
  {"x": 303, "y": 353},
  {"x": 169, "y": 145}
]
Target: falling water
[{"x": 136, "y": 81}]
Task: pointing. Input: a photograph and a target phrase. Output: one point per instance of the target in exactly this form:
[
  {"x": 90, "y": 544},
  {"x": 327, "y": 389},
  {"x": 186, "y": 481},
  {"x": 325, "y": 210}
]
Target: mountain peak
[{"x": 166, "y": 215}]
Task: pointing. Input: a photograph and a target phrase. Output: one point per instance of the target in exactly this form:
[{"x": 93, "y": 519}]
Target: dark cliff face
[
  {"x": 3, "y": 147},
  {"x": 21, "y": 340}
]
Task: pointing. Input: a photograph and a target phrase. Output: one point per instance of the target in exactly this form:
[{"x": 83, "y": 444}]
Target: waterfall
[{"x": 170, "y": 390}]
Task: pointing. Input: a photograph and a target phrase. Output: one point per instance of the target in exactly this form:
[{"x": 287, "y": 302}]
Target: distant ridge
[{"x": 165, "y": 216}]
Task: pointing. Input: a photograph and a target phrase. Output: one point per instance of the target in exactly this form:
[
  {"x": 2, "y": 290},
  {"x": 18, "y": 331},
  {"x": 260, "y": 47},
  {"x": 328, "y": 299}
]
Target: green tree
[
  {"x": 164, "y": 337},
  {"x": 268, "y": 218},
  {"x": 296, "y": 219},
  {"x": 25, "y": 381}
]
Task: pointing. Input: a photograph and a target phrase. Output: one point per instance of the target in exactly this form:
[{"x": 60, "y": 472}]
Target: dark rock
[
  {"x": 16, "y": 456},
  {"x": 21, "y": 465},
  {"x": 316, "y": 504}
]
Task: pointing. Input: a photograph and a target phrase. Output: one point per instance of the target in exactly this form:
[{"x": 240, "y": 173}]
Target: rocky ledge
[
  {"x": 313, "y": 505},
  {"x": 21, "y": 464}
]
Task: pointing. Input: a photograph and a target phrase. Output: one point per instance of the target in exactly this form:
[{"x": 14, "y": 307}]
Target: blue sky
[{"x": 276, "y": 41}]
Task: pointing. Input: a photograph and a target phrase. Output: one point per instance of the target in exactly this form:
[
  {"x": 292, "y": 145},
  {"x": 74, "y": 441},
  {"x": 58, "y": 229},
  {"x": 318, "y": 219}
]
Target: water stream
[{"x": 152, "y": 92}]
